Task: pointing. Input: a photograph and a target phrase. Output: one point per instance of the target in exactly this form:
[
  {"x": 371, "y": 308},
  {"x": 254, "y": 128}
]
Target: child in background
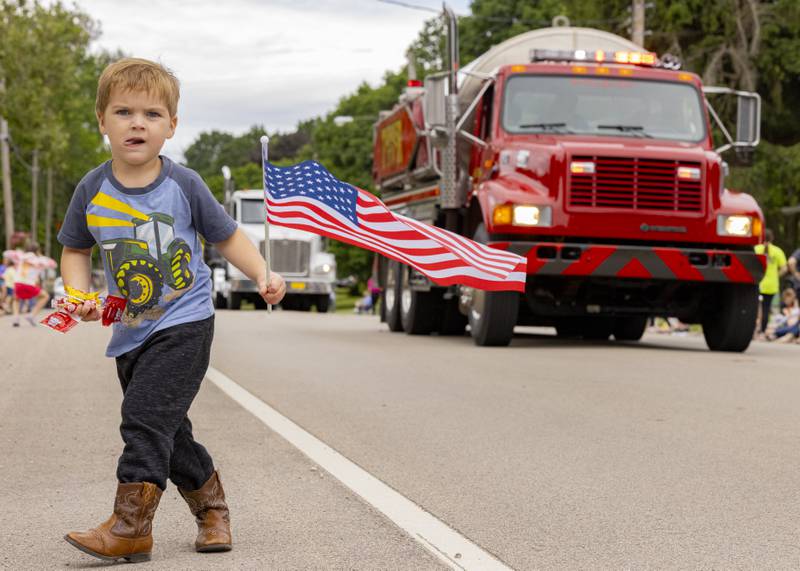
[
  {"x": 3, "y": 267},
  {"x": 787, "y": 323},
  {"x": 29, "y": 266},
  {"x": 9, "y": 277}
]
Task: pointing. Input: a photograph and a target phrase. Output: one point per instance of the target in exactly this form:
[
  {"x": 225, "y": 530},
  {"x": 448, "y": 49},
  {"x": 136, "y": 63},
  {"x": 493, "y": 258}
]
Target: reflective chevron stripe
[{"x": 639, "y": 262}]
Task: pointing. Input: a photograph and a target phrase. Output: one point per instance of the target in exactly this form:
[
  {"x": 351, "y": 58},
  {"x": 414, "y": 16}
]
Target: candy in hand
[{"x": 60, "y": 321}]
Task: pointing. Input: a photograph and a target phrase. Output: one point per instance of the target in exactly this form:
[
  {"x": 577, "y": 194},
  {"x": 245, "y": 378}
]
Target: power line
[
  {"x": 497, "y": 19},
  {"x": 411, "y": 6}
]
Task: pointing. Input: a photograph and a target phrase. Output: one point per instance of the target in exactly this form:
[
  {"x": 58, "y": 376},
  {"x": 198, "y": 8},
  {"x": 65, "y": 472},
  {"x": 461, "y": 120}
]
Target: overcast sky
[{"x": 267, "y": 62}]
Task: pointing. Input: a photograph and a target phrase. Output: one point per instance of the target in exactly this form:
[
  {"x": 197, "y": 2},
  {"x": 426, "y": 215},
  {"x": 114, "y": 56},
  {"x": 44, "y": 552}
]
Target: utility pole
[
  {"x": 35, "y": 195},
  {"x": 5, "y": 165},
  {"x": 48, "y": 211},
  {"x": 637, "y": 20}
]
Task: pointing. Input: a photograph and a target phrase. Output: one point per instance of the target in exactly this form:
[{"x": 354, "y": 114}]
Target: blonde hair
[{"x": 135, "y": 74}]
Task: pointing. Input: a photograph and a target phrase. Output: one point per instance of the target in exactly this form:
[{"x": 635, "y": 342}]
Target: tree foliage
[{"x": 50, "y": 81}]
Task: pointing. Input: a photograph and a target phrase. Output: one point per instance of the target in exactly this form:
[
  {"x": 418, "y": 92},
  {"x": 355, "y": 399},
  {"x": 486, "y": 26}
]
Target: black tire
[
  {"x": 492, "y": 314},
  {"x": 629, "y": 328},
  {"x": 259, "y": 302},
  {"x": 141, "y": 282},
  {"x": 417, "y": 308},
  {"x": 452, "y": 321},
  {"x": 219, "y": 301},
  {"x": 730, "y": 324},
  {"x": 391, "y": 297},
  {"x": 322, "y": 303},
  {"x": 235, "y": 301},
  {"x": 492, "y": 319}
]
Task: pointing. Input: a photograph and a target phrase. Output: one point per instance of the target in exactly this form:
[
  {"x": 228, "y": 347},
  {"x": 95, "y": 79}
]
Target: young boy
[{"x": 145, "y": 213}]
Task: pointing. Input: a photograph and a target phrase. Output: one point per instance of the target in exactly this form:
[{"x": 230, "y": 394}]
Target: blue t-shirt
[{"x": 150, "y": 246}]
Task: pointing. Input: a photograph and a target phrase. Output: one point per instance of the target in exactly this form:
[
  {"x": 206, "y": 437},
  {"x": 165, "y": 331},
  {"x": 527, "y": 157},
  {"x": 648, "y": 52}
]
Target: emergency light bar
[{"x": 599, "y": 56}]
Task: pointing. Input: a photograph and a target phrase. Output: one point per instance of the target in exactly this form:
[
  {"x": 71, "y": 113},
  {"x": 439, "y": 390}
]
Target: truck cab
[{"x": 300, "y": 257}]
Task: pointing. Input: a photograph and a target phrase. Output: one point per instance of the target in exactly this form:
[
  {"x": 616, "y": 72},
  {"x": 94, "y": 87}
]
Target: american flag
[{"x": 307, "y": 197}]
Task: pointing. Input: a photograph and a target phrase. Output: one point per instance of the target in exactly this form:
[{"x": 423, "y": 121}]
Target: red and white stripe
[{"x": 444, "y": 257}]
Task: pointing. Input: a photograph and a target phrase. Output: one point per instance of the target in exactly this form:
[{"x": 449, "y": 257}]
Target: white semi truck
[{"x": 300, "y": 257}]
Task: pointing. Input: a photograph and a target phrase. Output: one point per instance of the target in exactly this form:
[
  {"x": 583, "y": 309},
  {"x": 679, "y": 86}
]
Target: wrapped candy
[{"x": 62, "y": 320}]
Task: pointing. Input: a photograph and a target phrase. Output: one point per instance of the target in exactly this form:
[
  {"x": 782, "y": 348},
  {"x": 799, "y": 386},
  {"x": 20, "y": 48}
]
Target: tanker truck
[{"x": 595, "y": 160}]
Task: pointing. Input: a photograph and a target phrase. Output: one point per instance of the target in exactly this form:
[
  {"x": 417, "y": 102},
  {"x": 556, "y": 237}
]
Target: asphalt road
[{"x": 548, "y": 454}]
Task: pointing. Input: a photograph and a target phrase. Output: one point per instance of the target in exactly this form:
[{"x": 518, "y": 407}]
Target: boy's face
[{"x": 137, "y": 124}]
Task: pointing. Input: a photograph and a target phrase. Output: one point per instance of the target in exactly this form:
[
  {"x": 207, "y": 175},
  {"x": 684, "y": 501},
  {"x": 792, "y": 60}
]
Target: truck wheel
[
  {"x": 236, "y": 301},
  {"x": 417, "y": 308},
  {"x": 452, "y": 321},
  {"x": 492, "y": 317},
  {"x": 391, "y": 297},
  {"x": 219, "y": 301},
  {"x": 141, "y": 282},
  {"x": 629, "y": 328},
  {"x": 730, "y": 324},
  {"x": 492, "y": 314},
  {"x": 322, "y": 303}
]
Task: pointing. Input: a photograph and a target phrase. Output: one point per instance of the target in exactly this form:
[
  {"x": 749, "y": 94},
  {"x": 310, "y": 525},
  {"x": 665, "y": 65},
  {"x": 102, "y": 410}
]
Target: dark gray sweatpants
[{"x": 159, "y": 381}]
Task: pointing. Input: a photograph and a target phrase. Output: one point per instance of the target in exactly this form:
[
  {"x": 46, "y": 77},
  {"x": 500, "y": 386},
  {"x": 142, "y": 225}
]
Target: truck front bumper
[
  {"x": 639, "y": 262},
  {"x": 303, "y": 286}
]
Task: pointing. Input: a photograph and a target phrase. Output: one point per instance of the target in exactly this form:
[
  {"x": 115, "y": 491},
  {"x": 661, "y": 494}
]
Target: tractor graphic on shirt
[{"x": 141, "y": 266}]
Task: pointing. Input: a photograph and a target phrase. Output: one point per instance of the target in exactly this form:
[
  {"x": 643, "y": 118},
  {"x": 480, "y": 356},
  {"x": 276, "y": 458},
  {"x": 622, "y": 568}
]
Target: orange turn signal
[{"x": 503, "y": 215}]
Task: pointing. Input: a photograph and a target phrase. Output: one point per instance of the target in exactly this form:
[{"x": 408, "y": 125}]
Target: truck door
[{"x": 482, "y": 128}]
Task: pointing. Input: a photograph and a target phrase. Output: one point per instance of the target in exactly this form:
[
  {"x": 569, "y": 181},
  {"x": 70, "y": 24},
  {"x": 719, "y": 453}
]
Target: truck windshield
[
  {"x": 253, "y": 211},
  {"x": 601, "y": 105}
]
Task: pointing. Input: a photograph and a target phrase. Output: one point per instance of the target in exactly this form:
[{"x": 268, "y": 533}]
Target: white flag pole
[{"x": 264, "y": 155}]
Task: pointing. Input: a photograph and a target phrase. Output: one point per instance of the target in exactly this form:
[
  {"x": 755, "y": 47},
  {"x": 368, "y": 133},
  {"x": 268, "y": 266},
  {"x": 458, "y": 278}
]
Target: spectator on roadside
[
  {"x": 787, "y": 323},
  {"x": 29, "y": 266},
  {"x": 770, "y": 284},
  {"x": 9, "y": 277},
  {"x": 374, "y": 291},
  {"x": 793, "y": 263},
  {"x": 3, "y": 267},
  {"x": 365, "y": 304}
]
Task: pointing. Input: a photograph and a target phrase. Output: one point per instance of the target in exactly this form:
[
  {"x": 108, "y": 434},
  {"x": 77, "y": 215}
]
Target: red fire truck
[{"x": 595, "y": 160}]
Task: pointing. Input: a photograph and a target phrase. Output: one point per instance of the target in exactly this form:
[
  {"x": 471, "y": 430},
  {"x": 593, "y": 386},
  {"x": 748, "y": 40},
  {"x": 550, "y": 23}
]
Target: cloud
[{"x": 246, "y": 62}]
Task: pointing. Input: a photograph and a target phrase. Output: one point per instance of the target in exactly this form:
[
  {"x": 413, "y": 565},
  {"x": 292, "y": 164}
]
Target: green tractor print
[{"x": 141, "y": 266}]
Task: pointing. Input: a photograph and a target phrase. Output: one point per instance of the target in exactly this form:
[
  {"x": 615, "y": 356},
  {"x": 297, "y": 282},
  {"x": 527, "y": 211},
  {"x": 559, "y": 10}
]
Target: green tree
[{"x": 50, "y": 79}]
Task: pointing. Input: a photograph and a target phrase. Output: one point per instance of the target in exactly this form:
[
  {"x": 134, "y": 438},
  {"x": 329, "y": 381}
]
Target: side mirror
[
  {"x": 748, "y": 119},
  {"x": 434, "y": 100}
]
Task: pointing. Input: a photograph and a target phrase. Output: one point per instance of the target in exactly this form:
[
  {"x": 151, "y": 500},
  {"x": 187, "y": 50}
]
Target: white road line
[{"x": 448, "y": 545}]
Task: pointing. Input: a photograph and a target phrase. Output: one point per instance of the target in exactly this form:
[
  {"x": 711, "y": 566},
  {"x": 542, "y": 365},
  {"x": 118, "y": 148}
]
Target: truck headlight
[
  {"x": 522, "y": 215},
  {"x": 735, "y": 225},
  {"x": 323, "y": 268}
]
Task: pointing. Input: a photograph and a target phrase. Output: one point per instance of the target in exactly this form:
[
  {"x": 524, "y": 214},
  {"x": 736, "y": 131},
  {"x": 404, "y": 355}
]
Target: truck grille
[
  {"x": 636, "y": 184},
  {"x": 289, "y": 257}
]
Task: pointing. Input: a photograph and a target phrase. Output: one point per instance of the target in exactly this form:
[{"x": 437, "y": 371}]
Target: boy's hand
[
  {"x": 87, "y": 311},
  {"x": 274, "y": 291}
]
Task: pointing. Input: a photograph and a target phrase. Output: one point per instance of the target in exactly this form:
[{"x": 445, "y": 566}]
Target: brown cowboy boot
[
  {"x": 127, "y": 534},
  {"x": 211, "y": 513}
]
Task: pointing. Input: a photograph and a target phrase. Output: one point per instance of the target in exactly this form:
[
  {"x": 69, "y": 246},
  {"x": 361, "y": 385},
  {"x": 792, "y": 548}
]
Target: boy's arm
[
  {"x": 240, "y": 251},
  {"x": 76, "y": 269}
]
